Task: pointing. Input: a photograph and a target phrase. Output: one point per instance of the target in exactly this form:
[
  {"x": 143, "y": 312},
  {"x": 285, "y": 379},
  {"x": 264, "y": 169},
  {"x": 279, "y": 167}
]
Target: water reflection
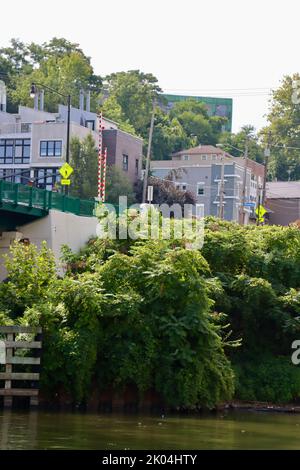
[{"x": 45, "y": 430}]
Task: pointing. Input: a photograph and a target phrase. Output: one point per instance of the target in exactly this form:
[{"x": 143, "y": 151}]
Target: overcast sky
[{"x": 226, "y": 48}]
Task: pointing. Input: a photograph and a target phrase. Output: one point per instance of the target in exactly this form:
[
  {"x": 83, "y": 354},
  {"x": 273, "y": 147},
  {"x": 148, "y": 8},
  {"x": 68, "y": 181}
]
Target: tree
[
  {"x": 118, "y": 184},
  {"x": 134, "y": 92},
  {"x": 166, "y": 192},
  {"x": 112, "y": 110},
  {"x": 238, "y": 140},
  {"x": 169, "y": 136},
  {"x": 84, "y": 159},
  {"x": 284, "y": 130},
  {"x": 197, "y": 124},
  {"x": 60, "y": 64}
]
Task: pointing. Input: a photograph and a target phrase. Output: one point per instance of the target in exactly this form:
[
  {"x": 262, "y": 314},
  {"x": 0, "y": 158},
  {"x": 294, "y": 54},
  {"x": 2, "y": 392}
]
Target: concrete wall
[{"x": 57, "y": 229}]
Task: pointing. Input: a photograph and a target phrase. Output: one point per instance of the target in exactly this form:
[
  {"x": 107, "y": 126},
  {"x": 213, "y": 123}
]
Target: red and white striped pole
[
  {"x": 100, "y": 145},
  {"x": 104, "y": 161}
]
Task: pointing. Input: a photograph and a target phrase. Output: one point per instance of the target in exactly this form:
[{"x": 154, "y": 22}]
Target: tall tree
[
  {"x": 118, "y": 184},
  {"x": 84, "y": 161},
  {"x": 59, "y": 64},
  {"x": 235, "y": 144},
  {"x": 134, "y": 92},
  {"x": 196, "y": 122},
  {"x": 112, "y": 110},
  {"x": 284, "y": 130}
]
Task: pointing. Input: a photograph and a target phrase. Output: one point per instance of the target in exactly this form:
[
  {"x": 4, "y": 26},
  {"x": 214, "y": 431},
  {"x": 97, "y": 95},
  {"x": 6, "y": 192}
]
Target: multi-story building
[
  {"x": 33, "y": 143},
  {"x": 199, "y": 170}
]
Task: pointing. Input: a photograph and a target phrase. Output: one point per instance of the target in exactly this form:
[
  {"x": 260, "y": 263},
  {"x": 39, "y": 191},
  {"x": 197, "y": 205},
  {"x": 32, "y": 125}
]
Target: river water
[{"x": 233, "y": 430}]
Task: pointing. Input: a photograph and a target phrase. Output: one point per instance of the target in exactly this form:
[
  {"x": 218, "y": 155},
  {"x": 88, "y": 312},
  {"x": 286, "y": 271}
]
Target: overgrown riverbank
[{"x": 152, "y": 315}]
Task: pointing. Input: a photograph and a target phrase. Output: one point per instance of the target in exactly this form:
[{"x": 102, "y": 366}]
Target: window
[
  {"x": 204, "y": 157},
  {"x": 6, "y": 151},
  {"x": 186, "y": 157},
  {"x": 136, "y": 166},
  {"x": 125, "y": 162},
  {"x": 183, "y": 187},
  {"x": 22, "y": 151},
  {"x": 51, "y": 148},
  {"x": 200, "y": 189},
  {"x": 214, "y": 157},
  {"x": 90, "y": 125},
  {"x": 46, "y": 178},
  {"x": 14, "y": 151}
]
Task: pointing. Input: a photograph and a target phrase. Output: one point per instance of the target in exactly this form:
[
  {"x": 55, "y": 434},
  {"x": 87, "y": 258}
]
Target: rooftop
[
  {"x": 202, "y": 150},
  {"x": 283, "y": 190}
]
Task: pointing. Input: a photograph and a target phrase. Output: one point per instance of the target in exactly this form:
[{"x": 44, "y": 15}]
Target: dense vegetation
[{"x": 153, "y": 314}]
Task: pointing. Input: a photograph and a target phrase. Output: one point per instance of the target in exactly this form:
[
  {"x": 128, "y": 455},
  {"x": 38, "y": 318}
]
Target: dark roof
[{"x": 283, "y": 190}]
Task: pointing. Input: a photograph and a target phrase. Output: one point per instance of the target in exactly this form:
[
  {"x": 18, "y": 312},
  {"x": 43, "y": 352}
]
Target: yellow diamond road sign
[
  {"x": 66, "y": 170},
  {"x": 260, "y": 211}
]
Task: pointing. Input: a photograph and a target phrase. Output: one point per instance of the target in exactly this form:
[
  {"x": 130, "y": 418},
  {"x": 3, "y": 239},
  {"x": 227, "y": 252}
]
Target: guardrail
[{"x": 28, "y": 196}]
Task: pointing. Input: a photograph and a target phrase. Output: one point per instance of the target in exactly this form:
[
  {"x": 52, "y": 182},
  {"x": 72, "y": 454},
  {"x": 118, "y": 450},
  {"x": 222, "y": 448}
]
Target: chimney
[
  {"x": 81, "y": 100},
  {"x": 88, "y": 101},
  {"x": 36, "y": 101},
  {"x": 2, "y": 97},
  {"x": 42, "y": 99}
]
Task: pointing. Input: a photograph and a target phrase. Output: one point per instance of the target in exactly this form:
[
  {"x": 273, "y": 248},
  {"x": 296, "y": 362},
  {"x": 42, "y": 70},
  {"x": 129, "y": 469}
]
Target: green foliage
[
  {"x": 133, "y": 91},
  {"x": 118, "y": 184},
  {"x": 84, "y": 160},
  {"x": 59, "y": 64},
  {"x": 268, "y": 378},
  {"x": 235, "y": 144},
  {"x": 111, "y": 109},
  {"x": 284, "y": 118},
  {"x": 153, "y": 314},
  {"x": 30, "y": 274}
]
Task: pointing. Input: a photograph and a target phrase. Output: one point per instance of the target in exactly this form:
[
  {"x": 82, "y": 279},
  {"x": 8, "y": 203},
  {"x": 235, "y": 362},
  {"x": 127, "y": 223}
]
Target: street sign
[
  {"x": 65, "y": 182},
  {"x": 66, "y": 170},
  {"x": 260, "y": 211},
  {"x": 150, "y": 194},
  {"x": 249, "y": 204}
]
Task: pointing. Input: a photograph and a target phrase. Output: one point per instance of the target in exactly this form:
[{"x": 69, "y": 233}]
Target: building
[
  {"x": 33, "y": 142},
  {"x": 283, "y": 202},
  {"x": 215, "y": 106},
  {"x": 199, "y": 170}
]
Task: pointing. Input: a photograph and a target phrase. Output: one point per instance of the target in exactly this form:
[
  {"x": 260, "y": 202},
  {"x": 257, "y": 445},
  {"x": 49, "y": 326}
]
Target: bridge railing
[{"x": 20, "y": 194}]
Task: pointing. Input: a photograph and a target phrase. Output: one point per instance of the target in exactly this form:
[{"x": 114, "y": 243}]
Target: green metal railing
[{"x": 20, "y": 195}]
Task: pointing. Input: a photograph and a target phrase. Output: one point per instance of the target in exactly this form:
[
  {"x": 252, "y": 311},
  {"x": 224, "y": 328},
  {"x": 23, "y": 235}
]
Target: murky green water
[{"x": 43, "y": 430}]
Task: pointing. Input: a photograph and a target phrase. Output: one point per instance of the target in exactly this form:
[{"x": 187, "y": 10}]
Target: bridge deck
[{"x": 20, "y": 204}]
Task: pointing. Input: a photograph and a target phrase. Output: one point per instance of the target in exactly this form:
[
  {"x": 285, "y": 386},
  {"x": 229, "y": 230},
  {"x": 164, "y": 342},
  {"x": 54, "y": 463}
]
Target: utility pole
[
  {"x": 221, "y": 206},
  {"x": 244, "y": 192},
  {"x": 260, "y": 189},
  {"x": 145, "y": 182},
  {"x": 267, "y": 156}
]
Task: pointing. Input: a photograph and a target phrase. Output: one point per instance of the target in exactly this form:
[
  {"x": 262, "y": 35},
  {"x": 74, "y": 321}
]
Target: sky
[{"x": 221, "y": 48}]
